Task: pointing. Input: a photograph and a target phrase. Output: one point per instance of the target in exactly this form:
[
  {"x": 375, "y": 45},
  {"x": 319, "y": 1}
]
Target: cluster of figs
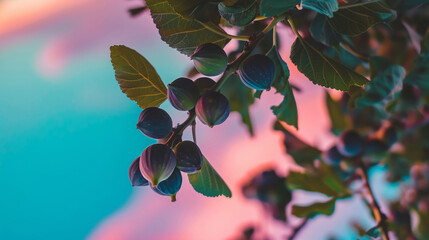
[
  {"x": 160, "y": 165},
  {"x": 351, "y": 144}
]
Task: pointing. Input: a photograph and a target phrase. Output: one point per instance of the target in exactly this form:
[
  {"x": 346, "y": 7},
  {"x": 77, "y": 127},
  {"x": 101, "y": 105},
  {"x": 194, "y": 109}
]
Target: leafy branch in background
[{"x": 369, "y": 50}]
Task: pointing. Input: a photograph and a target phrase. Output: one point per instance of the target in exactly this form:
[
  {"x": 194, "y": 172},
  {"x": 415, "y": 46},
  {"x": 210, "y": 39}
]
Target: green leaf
[
  {"x": 325, "y": 208},
  {"x": 241, "y": 14},
  {"x": 373, "y": 232},
  {"x": 325, "y": 7},
  {"x": 323, "y": 70},
  {"x": 137, "y": 78},
  {"x": 337, "y": 116},
  {"x": 270, "y": 8},
  {"x": 181, "y": 33},
  {"x": 301, "y": 152},
  {"x": 330, "y": 185},
  {"x": 202, "y": 10},
  {"x": 322, "y": 31},
  {"x": 385, "y": 85},
  {"x": 286, "y": 111},
  {"x": 208, "y": 182},
  {"x": 240, "y": 98},
  {"x": 355, "y": 19}
]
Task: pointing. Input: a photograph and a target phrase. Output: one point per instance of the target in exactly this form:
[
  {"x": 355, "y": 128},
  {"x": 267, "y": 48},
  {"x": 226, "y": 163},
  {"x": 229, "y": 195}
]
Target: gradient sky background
[{"x": 68, "y": 135}]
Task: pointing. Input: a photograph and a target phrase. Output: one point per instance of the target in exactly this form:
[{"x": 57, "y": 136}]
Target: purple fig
[
  {"x": 155, "y": 123},
  {"x": 350, "y": 143},
  {"x": 170, "y": 186},
  {"x": 189, "y": 157},
  {"x": 183, "y": 93},
  {"x": 204, "y": 84},
  {"x": 210, "y": 59},
  {"x": 257, "y": 72},
  {"x": 212, "y": 108},
  {"x": 157, "y": 162},
  {"x": 135, "y": 175}
]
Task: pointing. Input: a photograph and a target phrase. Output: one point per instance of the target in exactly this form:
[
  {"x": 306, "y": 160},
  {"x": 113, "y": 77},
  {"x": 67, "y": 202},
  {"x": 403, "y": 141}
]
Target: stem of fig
[
  {"x": 375, "y": 207},
  {"x": 194, "y": 135},
  {"x": 173, "y": 197}
]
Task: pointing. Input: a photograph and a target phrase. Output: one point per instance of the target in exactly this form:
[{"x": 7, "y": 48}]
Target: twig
[
  {"x": 380, "y": 217},
  {"x": 298, "y": 228}
]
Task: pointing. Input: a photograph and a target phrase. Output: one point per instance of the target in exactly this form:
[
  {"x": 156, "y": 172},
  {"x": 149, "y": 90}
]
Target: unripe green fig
[
  {"x": 170, "y": 186},
  {"x": 212, "y": 108},
  {"x": 257, "y": 72},
  {"x": 136, "y": 177},
  {"x": 204, "y": 84},
  {"x": 157, "y": 162},
  {"x": 210, "y": 59},
  {"x": 155, "y": 123},
  {"x": 183, "y": 93},
  {"x": 189, "y": 157},
  {"x": 350, "y": 143}
]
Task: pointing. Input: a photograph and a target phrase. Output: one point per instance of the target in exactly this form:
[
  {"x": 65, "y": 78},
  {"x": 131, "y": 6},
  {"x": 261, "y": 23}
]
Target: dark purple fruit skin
[
  {"x": 212, "y": 108},
  {"x": 155, "y": 123},
  {"x": 332, "y": 156},
  {"x": 375, "y": 146},
  {"x": 257, "y": 72},
  {"x": 204, "y": 84},
  {"x": 390, "y": 136},
  {"x": 189, "y": 157},
  {"x": 183, "y": 93},
  {"x": 136, "y": 178},
  {"x": 210, "y": 59},
  {"x": 171, "y": 185},
  {"x": 350, "y": 143},
  {"x": 157, "y": 162}
]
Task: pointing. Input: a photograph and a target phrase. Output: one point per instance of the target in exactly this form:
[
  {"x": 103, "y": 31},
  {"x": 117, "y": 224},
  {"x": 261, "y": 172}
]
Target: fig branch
[
  {"x": 380, "y": 217},
  {"x": 231, "y": 69}
]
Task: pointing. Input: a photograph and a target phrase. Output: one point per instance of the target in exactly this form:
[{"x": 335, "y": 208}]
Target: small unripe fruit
[
  {"x": 189, "y": 157},
  {"x": 157, "y": 162},
  {"x": 183, "y": 93},
  {"x": 210, "y": 59},
  {"x": 332, "y": 156},
  {"x": 136, "y": 178},
  {"x": 204, "y": 84},
  {"x": 155, "y": 123},
  {"x": 350, "y": 143},
  {"x": 257, "y": 72},
  {"x": 212, "y": 108},
  {"x": 170, "y": 186}
]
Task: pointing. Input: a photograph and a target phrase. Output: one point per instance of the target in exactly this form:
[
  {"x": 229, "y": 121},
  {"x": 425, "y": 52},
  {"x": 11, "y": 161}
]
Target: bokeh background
[{"x": 68, "y": 135}]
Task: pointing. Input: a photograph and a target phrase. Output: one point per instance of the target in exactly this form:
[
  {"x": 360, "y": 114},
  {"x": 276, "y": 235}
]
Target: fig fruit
[
  {"x": 212, "y": 108},
  {"x": 157, "y": 162},
  {"x": 136, "y": 178},
  {"x": 350, "y": 143},
  {"x": 183, "y": 93},
  {"x": 155, "y": 123},
  {"x": 332, "y": 156},
  {"x": 374, "y": 147},
  {"x": 390, "y": 136},
  {"x": 189, "y": 157},
  {"x": 210, "y": 59},
  {"x": 257, "y": 72},
  {"x": 170, "y": 186},
  {"x": 204, "y": 84}
]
